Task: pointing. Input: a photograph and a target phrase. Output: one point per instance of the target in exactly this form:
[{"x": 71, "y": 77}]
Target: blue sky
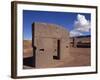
[{"x": 64, "y": 19}]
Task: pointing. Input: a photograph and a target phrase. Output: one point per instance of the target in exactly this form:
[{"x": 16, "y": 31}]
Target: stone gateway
[{"x": 50, "y": 44}]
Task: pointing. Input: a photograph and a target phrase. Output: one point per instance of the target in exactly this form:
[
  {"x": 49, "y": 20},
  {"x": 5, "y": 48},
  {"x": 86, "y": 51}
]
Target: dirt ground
[{"x": 79, "y": 56}]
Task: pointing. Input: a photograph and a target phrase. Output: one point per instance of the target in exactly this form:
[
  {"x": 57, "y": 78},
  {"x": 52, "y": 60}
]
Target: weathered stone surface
[{"x": 45, "y": 40}]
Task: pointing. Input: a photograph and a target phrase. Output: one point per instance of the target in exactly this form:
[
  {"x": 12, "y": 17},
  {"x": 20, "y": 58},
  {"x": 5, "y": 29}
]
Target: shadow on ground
[{"x": 28, "y": 62}]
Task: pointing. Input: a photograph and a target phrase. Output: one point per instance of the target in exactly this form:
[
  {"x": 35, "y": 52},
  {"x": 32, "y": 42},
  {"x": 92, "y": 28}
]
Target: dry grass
[{"x": 27, "y": 45}]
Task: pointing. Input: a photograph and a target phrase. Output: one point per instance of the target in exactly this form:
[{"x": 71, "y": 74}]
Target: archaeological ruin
[{"x": 50, "y": 44}]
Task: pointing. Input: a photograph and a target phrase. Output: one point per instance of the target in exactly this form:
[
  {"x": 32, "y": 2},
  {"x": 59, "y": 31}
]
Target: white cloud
[
  {"x": 74, "y": 33},
  {"x": 82, "y": 24}
]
